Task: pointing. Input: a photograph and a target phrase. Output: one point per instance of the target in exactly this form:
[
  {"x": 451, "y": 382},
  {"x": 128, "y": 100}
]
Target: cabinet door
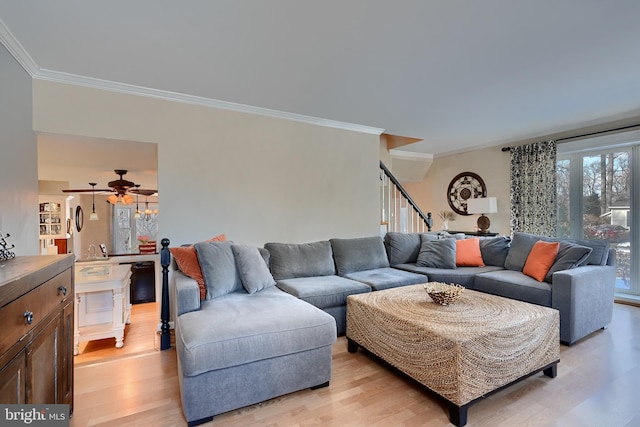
[
  {"x": 43, "y": 361},
  {"x": 12, "y": 380},
  {"x": 65, "y": 390}
]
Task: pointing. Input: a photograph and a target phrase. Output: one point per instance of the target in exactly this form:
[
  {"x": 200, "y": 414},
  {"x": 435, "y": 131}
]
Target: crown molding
[
  {"x": 410, "y": 155},
  {"x": 24, "y": 59},
  {"x": 17, "y": 51},
  {"x": 90, "y": 82}
]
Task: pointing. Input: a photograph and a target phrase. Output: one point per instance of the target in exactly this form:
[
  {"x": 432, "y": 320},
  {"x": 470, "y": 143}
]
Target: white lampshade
[
  {"x": 482, "y": 205},
  {"x": 93, "y": 216}
]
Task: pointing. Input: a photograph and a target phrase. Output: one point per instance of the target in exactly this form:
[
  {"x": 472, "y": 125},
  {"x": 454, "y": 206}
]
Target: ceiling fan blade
[
  {"x": 143, "y": 192},
  {"x": 87, "y": 191}
]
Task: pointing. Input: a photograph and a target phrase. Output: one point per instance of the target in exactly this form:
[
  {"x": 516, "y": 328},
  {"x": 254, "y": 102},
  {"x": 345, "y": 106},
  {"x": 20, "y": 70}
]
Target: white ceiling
[{"x": 458, "y": 74}]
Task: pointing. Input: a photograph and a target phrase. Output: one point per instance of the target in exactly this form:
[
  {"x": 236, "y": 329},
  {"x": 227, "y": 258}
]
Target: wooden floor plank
[{"x": 138, "y": 386}]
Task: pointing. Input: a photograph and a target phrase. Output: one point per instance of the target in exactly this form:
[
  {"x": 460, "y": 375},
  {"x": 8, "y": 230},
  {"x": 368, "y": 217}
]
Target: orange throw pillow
[
  {"x": 187, "y": 260},
  {"x": 540, "y": 259},
  {"x": 468, "y": 253}
]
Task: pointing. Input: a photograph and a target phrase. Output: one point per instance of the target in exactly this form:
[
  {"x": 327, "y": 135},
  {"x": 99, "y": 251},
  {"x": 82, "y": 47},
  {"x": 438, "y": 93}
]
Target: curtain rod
[{"x": 587, "y": 134}]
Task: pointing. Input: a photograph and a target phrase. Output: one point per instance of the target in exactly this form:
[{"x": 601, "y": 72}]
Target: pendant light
[
  {"x": 137, "y": 215},
  {"x": 94, "y": 215}
]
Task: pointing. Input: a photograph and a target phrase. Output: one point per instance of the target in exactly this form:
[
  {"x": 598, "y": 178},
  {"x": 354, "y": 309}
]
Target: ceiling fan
[{"x": 121, "y": 189}]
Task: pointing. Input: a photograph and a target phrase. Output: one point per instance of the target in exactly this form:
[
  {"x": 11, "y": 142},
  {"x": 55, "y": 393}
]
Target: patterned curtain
[{"x": 533, "y": 188}]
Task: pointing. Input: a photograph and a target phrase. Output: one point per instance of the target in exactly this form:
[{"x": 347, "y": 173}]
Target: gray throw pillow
[
  {"x": 521, "y": 245},
  {"x": 430, "y": 237},
  {"x": 494, "y": 250},
  {"x": 569, "y": 256},
  {"x": 218, "y": 266},
  {"x": 359, "y": 254},
  {"x": 253, "y": 270},
  {"x": 438, "y": 254},
  {"x": 402, "y": 248},
  {"x": 599, "y": 250}
]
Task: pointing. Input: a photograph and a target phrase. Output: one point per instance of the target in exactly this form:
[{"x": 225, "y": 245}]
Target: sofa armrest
[
  {"x": 186, "y": 293},
  {"x": 584, "y": 297}
]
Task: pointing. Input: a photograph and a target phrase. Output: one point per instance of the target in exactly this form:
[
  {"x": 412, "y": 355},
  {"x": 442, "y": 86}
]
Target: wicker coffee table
[{"x": 464, "y": 351}]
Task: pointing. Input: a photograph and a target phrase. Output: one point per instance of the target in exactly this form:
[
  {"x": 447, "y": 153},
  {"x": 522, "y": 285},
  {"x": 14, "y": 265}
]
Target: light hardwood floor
[{"x": 598, "y": 384}]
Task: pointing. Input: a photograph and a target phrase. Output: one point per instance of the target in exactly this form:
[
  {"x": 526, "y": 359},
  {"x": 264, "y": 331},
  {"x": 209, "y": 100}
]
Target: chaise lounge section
[{"x": 244, "y": 345}]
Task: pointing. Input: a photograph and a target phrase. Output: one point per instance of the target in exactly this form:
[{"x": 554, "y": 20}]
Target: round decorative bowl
[{"x": 443, "y": 293}]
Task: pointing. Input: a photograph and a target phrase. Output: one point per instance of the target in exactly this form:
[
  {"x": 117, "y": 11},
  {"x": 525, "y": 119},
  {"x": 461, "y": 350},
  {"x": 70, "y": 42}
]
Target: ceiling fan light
[
  {"x": 128, "y": 199},
  {"x": 113, "y": 199}
]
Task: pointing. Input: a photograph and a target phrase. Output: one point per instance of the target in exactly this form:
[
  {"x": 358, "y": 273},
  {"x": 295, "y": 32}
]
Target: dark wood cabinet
[
  {"x": 36, "y": 346},
  {"x": 13, "y": 380}
]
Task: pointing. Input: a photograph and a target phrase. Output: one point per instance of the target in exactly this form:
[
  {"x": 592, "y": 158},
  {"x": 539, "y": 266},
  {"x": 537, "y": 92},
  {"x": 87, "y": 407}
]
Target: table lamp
[{"x": 483, "y": 206}]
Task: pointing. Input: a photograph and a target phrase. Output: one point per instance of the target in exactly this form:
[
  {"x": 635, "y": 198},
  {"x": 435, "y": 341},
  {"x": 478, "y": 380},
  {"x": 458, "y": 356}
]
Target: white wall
[
  {"x": 491, "y": 164},
  {"x": 18, "y": 158},
  {"x": 252, "y": 177}
]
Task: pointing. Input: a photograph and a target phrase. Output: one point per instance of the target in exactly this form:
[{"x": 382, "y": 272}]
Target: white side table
[{"x": 102, "y": 305}]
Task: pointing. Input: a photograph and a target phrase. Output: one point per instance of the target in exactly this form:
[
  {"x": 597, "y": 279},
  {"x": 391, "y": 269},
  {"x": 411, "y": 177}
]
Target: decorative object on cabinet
[
  {"x": 93, "y": 216},
  {"x": 446, "y": 216},
  {"x": 463, "y": 187},
  {"x": 79, "y": 218},
  {"x": 5, "y": 253},
  {"x": 36, "y": 313},
  {"x": 120, "y": 188},
  {"x": 482, "y": 206}
]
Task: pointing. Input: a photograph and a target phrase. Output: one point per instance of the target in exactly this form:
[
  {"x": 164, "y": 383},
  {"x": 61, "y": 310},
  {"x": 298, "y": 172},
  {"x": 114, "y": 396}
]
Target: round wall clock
[
  {"x": 465, "y": 186},
  {"x": 79, "y": 218}
]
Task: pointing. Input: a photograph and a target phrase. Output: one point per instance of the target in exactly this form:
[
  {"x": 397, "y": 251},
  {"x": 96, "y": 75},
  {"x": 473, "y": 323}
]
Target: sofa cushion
[
  {"x": 218, "y": 268},
  {"x": 359, "y": 254},
  {"x": 300, "y": 259},
  {"x": 515, "y": 285},
  {"x": 540, "y": 259},
  {"x": 569, "y": 256},
  {"x": 402, "y": 248},
  {"x": 437, "y": 254},
  {"x": 468, "y": 253},
  {"x": 254, "y": 272},
  {"x": 323, "y": 291},
  {"x": 384, "y": 278},
  {"x": 260, "y": 326},
  {"x": 494, "y": 250},
  {"x": 461, "y": 275}
]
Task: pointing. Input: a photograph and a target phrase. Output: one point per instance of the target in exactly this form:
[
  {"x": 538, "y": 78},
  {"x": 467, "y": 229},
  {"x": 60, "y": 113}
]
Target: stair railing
[{"x": 398, "y": 210}]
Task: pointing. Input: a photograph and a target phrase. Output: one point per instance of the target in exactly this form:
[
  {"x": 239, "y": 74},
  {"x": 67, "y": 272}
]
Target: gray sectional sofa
[
  {"x": 325, "y": 273},
  {"x": 272, "y": 314},
  {"x": 580, "y": 284}
]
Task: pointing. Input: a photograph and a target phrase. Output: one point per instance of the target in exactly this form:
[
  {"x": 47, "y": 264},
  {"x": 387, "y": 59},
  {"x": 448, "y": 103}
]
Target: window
[{"x": 596, "y": 179}]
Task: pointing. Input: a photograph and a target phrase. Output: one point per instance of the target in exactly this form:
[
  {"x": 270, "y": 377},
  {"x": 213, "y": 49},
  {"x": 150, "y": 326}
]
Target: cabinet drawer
[
  {"x": 36, "y": 304},
  {"x": 59, "y": 289}
]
